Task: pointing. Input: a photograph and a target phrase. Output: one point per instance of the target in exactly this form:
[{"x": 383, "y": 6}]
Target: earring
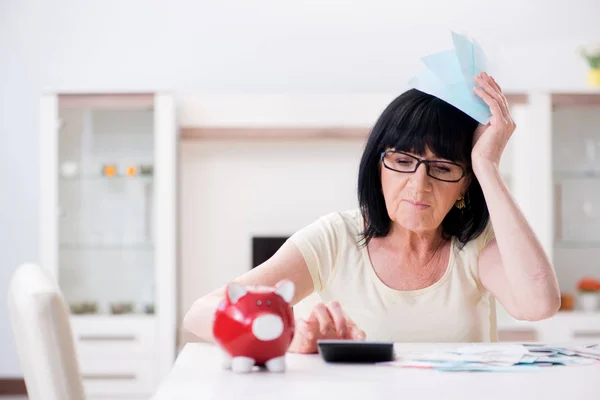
[{"x": 460, "y": 203}]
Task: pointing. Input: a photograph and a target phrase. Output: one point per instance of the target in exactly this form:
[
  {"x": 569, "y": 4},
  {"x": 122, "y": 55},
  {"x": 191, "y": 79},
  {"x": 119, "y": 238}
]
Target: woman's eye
[
  {"x": 442, "y": 169},
  {"x": 403, "y": 162}
]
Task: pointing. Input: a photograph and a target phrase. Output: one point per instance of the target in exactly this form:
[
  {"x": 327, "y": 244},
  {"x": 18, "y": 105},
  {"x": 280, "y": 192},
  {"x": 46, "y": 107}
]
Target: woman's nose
[{"x": 419, "y": 178}]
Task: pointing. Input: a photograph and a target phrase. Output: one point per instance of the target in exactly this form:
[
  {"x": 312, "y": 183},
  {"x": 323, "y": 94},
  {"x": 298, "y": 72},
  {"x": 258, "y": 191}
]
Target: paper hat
[{"x": 449, "y": 75}]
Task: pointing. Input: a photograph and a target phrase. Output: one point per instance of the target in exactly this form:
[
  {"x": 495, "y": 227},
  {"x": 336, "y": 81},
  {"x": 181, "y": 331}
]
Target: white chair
[{"x": 45, "y": 346}]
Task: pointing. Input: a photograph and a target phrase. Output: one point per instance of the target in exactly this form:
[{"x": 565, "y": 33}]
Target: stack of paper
[
  {"x": 507, "y": 358},
  {"x": 449, "y": 75}
]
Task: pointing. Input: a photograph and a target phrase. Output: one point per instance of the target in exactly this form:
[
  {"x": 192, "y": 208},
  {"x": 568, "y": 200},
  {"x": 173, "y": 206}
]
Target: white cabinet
[
  {"x": 576, "y": 178},
  {"x": 565, "y": 327},
  {"x": 108, "y": 232},
  {"x": 555, "y": 179}
]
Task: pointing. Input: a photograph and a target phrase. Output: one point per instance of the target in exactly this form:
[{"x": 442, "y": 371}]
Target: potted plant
[
  {"x": 589, "y": 289},
  {"x": 592, "y": 55}
]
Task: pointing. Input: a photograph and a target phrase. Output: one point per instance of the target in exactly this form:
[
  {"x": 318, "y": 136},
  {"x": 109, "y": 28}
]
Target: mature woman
[{"x": 419, "y": 261}]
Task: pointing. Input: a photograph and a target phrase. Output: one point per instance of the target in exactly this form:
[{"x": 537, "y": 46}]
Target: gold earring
[{"x": 460, "y": 203}]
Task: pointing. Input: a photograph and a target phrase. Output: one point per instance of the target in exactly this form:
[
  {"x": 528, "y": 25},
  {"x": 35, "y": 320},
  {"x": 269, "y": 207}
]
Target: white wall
[
  {"x": 267, "y": 45},
  {"x": 231, "y": 191},
  {"x": 19, "y": 178}
]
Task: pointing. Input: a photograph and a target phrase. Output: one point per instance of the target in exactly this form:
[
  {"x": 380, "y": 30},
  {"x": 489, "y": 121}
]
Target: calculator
[{"x": 355, "y": 351}]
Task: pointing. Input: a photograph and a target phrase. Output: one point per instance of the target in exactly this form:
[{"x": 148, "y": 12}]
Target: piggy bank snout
[{"x": 267, "y": 326}]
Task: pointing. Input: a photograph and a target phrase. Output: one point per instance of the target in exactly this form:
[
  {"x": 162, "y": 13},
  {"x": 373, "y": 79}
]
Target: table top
[{"x": 198, "y": 373}]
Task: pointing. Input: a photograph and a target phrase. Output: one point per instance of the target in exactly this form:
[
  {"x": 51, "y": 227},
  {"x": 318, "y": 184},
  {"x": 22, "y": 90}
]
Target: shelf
[
  {"x": 118, "y": 178},
  {"x": 107, "y": 246},
  {"x": 110, "y": 101},
  {"x": 105, "y": 317},
  {"x": 568, "y": 244},
  {"x": 101, "y": 315},
  {"x": 273, "y": 133},
  {"x": 590, "y": 97},
  {"x": 567, "y": 175}
]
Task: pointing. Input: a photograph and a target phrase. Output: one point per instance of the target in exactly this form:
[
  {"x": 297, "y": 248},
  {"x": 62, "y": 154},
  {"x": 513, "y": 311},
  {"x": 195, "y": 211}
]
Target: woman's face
[{"x": 416, "y": 201}]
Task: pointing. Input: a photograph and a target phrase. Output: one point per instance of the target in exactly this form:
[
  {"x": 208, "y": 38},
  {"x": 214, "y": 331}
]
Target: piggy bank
[{"x": 254, "y": 325}]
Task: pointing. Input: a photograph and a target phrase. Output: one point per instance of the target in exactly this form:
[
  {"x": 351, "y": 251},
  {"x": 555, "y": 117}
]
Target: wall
[
  {"x": 19, "y": 178},
  {"x": 267, "y": 45},
  {"x": 231, "y": 191}
]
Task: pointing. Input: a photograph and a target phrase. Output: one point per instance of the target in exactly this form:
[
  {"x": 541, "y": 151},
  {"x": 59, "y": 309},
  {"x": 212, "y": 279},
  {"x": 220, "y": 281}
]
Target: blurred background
[{"x": 152, "y": 150}]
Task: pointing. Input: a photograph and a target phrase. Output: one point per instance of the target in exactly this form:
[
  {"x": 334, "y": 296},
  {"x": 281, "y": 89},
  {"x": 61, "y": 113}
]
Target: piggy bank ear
[
  {"x": 235, "y": 292},
  {"x": 286, "y": 290}
]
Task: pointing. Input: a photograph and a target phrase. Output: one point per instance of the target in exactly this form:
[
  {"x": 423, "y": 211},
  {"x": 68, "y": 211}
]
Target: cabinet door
[
  {"x": 48, "y": 229},
  {"x": 165, "y": 228},
  {"x": 105, "y": 173},
  {"x": 576, "y": 169}
]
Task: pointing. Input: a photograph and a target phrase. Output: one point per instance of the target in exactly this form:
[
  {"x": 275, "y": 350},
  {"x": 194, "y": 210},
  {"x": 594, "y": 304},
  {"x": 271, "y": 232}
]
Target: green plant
[{"x": 592, "y": 55}]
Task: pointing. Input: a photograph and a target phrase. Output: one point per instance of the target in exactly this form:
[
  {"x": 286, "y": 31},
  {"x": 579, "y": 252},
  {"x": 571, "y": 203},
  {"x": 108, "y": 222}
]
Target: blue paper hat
[{"x": 449, "y": 76}]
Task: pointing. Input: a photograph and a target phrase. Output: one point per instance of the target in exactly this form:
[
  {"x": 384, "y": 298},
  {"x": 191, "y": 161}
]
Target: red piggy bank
[{"x": 254, "y": 325}]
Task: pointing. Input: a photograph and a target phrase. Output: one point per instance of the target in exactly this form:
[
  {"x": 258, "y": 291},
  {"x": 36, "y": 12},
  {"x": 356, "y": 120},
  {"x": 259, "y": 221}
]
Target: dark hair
[{"x": 412, "y": 122}]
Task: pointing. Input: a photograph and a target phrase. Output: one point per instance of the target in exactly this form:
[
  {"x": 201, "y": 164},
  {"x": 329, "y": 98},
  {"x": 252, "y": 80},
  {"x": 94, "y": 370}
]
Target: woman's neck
[
  {"x": 406, "y": 260},
  {"x": 419, "y": 244}
]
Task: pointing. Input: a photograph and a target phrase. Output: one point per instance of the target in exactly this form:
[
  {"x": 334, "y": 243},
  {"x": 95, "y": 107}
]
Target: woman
[{"x": 419, "y": 261}]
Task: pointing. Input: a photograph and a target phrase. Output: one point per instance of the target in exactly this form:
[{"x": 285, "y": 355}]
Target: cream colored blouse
[{"x": 454, "y": 309}]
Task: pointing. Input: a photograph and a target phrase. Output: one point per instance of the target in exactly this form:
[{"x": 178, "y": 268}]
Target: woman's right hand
[{"x": 325, "y": 322}]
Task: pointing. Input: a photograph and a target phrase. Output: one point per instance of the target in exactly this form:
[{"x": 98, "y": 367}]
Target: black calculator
[{"x": 355, "y": 351}]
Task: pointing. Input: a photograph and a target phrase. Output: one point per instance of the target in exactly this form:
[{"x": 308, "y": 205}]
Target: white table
[{"x": 198, "y": 374}]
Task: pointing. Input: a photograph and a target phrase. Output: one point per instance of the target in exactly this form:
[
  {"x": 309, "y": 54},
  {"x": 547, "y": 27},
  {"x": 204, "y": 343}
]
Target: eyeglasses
[{"x": 406, "y": 163}]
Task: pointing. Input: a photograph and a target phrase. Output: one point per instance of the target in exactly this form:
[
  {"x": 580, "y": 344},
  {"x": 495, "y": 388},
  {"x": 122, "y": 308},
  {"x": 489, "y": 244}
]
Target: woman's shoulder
[
  {"x": 468, "y": 255},
  {"x": 334, "y": 227},
  {"x": 343, "y": 222},
  {"x": 478, "y": 243},
  {"x": 322, "y": 241},
  {"x": 350, "y": 217}
]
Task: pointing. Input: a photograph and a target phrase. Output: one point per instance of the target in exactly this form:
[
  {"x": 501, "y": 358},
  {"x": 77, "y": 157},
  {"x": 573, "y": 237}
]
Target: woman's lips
[{"x": 418, "y": 205}]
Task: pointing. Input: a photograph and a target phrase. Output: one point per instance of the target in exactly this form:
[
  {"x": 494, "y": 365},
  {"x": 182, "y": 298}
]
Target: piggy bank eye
[
  {"x": 259, "y": 303},
  {"x": 268, "y": 302}
]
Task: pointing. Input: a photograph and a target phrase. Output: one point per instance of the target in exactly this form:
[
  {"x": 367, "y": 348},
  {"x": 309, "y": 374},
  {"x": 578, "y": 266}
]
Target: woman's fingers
[
  {"x": 330, "y": 321},
  {"x": 503, "y": 100},
  {"x": 497, "y": 113},
  {"x": 493, "y": 82},
  {"x": 485, "y": 85},
  {"x": 493, "y": 90},
  {"x": 302, "y": 341},
  {"x": 310, "y": 328},
  {"x": 354, "y": 332},
  {"x": 321, "y": 314},
  {"x": 338, "y": 316}
]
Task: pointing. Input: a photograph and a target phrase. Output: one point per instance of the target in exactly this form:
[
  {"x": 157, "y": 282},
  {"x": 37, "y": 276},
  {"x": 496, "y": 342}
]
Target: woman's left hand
[{"x": 490, "y": 140}]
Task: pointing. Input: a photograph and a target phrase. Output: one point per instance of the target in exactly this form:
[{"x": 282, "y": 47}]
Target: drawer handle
[
  {"x": 111, "y": 338},
  {"x": 586, "y": 334},
  {"x": 122, "y": 377}
]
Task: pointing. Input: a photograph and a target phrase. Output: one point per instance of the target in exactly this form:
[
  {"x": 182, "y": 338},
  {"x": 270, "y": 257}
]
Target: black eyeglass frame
[{"x": 422, "y": 161}]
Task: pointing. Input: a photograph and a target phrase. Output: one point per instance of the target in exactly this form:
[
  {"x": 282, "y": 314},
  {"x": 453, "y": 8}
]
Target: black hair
[{"x": 413, "y": 122}]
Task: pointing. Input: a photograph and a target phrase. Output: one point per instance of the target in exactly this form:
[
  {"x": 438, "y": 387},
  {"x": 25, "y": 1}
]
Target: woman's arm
[
  {"x": 514, "y": 266},
  {"x": 286, "y": 263}
]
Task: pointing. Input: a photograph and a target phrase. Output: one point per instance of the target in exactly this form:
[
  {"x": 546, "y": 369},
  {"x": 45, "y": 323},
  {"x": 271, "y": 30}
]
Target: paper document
[
  {"x": 497, "y": 358},
  {"x": 449, "y": 75}
]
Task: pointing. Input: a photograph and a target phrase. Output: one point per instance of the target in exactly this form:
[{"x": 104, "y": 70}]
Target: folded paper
[{"x": 449, "y": 75}]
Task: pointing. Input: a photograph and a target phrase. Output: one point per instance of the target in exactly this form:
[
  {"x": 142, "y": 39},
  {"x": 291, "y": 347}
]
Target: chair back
[{"x": 40, "y": 322}]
